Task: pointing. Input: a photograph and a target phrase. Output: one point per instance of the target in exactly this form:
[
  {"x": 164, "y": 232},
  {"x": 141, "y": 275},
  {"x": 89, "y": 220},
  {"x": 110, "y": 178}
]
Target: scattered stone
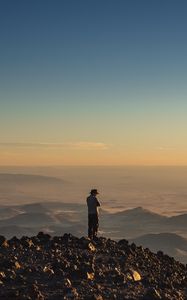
[
  {"x": 91, "y": 247},
  {"x": 95, "y": 297},
  {"x": 5, "y": 244},
  {"x": 67, "y": 283},
  {"x": 71, "y": 293},
  {"x": 17, "y": 265},
  {"x": 42, "y": 267},
  {"x": 152, "y": 294},
  {"x": 2, "y": 240},
  {"x": 135, "y": 275},
  {"x": 90, "y": 276}
]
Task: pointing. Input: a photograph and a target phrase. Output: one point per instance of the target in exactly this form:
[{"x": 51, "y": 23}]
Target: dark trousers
[{"x": 93, "y": 224}]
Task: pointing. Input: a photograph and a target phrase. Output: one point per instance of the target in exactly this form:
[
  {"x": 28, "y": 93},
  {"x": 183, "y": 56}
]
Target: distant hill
[
  {"x": 138, "y": 214},
  {"x": 9, "y": 212},
  {"x": 27, "y": 178},
  {"x": 34, "y": 208},
  {"x": 64, "y": 206},
  {"x": 13, "y": 230},
  {"x": 133, "y": 222},
  {"x": 170, "y": 243},
  {"x": 180, "y": 220},
  {"x": 138, "y": 224},
  {"x": 29, "y": 219}
]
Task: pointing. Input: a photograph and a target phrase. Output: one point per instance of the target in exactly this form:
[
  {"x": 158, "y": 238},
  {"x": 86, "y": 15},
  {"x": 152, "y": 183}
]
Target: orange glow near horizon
[{"x": 88, "y": 157}]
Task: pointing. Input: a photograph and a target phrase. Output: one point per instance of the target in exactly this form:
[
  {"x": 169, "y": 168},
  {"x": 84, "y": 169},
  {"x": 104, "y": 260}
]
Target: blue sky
[{"x": 111, "y": 72}]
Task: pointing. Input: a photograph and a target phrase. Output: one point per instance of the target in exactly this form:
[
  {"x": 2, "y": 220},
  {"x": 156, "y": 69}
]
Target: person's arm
[{"x": 97, "y": 203}]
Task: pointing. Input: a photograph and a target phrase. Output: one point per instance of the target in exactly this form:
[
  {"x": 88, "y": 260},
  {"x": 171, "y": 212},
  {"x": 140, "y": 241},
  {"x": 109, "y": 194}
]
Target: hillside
[
  {"x": 170, "y": 243},
  {"x": 67, "y": 267}
]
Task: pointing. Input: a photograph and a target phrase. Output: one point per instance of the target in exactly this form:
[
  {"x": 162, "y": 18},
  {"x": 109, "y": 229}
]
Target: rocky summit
[{"x": 67, "y": 267}]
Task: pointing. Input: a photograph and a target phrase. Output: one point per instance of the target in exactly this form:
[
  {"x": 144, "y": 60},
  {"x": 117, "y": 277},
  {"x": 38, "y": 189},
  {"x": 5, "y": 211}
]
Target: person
[{"x": 93, "y": 219}]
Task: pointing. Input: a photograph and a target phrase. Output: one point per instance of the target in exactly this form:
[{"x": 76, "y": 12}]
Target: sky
[{"x": 93, "y": 82}]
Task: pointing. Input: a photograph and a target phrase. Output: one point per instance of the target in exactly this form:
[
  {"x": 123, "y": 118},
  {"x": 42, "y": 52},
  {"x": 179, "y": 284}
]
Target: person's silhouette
[{"x": 93, "y": 220}]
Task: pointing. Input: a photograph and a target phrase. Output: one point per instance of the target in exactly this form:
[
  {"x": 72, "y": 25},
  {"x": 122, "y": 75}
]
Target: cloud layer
[{"x": 72, "y": 145}]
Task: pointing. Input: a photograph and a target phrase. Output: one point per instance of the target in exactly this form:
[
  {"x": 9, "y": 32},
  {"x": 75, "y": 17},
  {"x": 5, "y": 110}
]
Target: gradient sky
[{"x": 96, "y": 82}]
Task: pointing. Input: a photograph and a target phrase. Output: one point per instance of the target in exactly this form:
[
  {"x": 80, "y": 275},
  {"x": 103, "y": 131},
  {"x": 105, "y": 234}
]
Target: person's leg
[
  {"x": 90, "y": 226},
  {"x": 95, "y": 225}
]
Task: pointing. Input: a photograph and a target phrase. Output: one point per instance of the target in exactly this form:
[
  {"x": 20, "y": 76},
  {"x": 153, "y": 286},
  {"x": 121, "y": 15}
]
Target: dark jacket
[{"x": 93, "y": 204}]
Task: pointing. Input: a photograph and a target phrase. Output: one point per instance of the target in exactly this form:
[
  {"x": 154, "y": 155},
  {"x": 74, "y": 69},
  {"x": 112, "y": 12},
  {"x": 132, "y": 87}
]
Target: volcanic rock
[{"x": 42, "y": 267}]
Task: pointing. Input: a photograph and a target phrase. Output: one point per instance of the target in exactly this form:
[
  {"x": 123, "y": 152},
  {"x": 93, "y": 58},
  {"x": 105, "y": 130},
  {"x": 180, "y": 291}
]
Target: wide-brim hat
[{"x": 94, "y": 191}]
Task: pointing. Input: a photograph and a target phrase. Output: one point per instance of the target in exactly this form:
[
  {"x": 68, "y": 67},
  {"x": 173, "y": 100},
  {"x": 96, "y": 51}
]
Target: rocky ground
[{"x": 42, "y": 267}]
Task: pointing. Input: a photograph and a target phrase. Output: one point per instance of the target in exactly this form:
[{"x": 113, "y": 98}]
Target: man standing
[{"x": 93, "y": 220}]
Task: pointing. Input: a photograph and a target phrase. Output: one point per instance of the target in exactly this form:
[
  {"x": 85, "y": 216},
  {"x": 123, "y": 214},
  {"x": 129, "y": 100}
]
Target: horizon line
[{"x": 56, "y": 166}]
